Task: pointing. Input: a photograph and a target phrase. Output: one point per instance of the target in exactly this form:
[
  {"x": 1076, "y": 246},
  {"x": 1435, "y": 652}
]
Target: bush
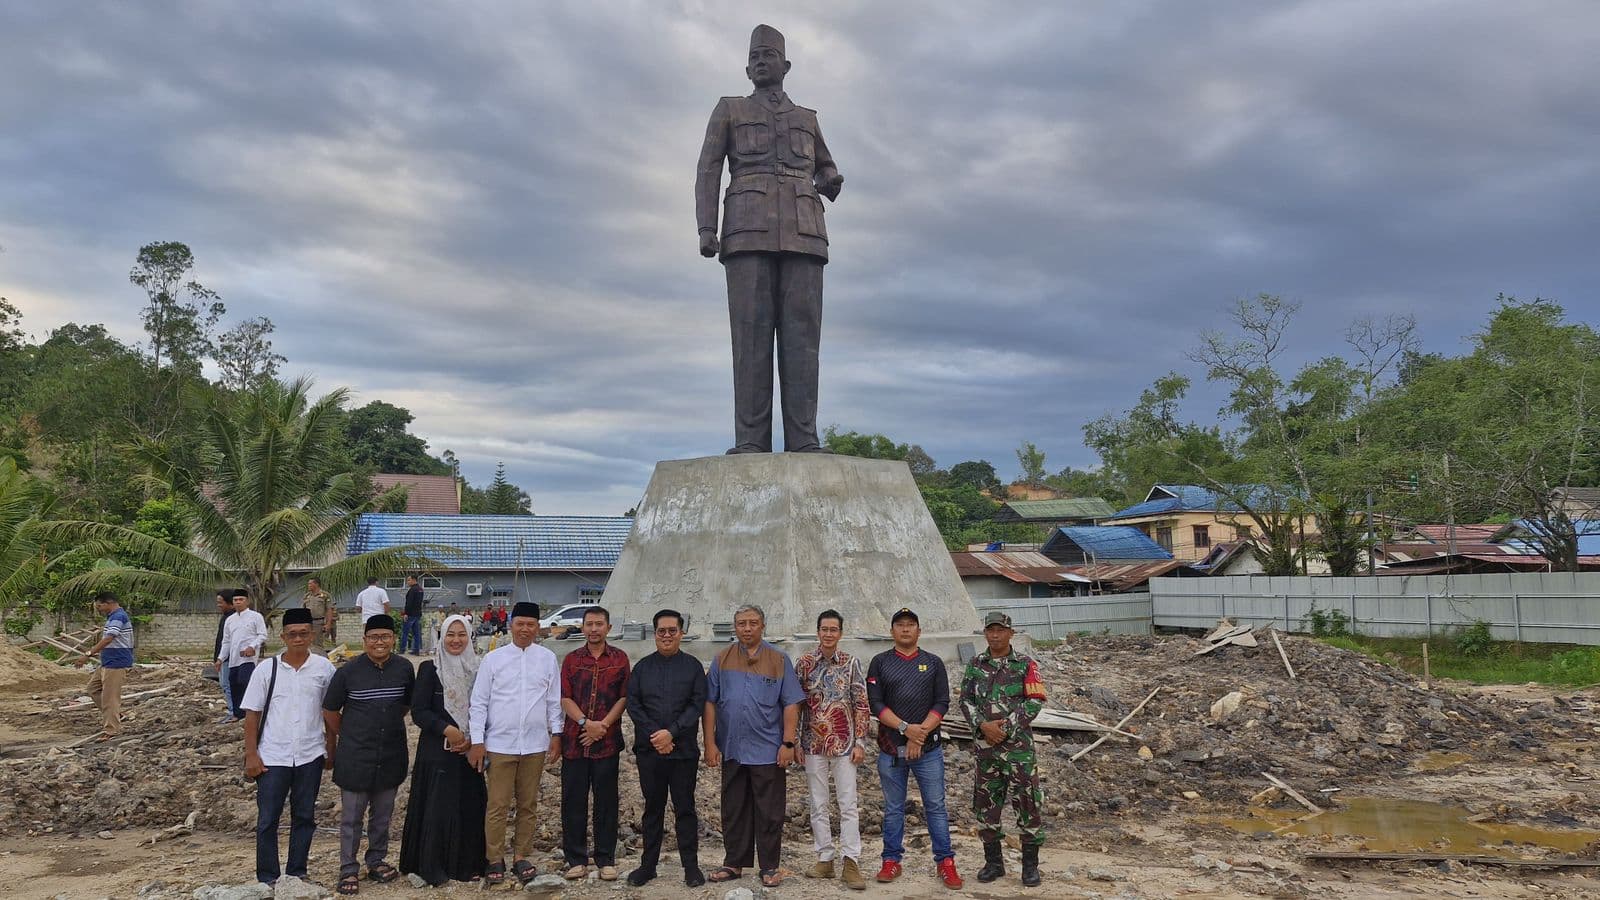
[
  {"x": 1327, "y": 622},
  {"x": 1475, "y": 639},
  {"x": 1580, "y": 667}
]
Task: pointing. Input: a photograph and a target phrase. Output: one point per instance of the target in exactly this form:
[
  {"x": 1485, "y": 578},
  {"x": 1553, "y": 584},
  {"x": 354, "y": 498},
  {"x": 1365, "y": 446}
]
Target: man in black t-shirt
[
  {"x": 909, "y": 693},
  {"x": 411, "y": 627}
]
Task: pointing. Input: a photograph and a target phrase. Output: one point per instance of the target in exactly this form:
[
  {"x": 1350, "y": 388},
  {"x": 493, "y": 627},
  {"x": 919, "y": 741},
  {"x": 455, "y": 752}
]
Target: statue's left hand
[{"x": 830, "y": 188}]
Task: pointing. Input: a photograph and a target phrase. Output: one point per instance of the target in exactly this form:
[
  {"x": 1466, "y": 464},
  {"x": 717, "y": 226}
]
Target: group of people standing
[{"x": 490, "y": 727}]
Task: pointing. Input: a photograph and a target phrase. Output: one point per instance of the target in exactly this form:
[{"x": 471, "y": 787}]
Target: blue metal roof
[
  {"x": 1107, "y": 542},
  {"x": 501, "y": 542},
  {"x": 1168, "y": 498},
  {"x": 1519, "y": 534}
]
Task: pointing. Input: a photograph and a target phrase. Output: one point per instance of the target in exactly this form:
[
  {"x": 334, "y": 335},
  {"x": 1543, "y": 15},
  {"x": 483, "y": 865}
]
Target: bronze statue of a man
[{"x": 773, "y": 245}]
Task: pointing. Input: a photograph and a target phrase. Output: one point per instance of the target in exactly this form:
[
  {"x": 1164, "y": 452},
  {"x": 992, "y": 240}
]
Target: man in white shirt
[
  {"x": 373, "y": 601},
  {"x": 285, "y": 745},
  {"x": 242, "y": 641},
  {"x": 516, "y": 712}
]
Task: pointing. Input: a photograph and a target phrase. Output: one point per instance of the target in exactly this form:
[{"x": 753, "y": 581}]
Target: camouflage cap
[
  {"x": 767, "y": 36},
  {"x": 996, "y": 617}
]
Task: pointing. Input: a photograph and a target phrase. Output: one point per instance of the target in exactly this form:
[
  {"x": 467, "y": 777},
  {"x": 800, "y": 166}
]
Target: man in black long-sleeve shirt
[
  {"x": 411, "y": 628},
  {"x": 666, "y": 696},
  {"x": 224, "y": 610}
]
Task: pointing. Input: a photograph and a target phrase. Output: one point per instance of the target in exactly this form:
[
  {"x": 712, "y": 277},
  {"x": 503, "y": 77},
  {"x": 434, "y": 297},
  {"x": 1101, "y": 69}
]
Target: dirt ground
[{"x": 1177, "y": 821}]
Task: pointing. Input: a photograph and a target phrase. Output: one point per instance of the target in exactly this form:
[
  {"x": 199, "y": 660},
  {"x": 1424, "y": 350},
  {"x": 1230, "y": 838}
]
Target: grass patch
[{"x": 1494, "y": 662}]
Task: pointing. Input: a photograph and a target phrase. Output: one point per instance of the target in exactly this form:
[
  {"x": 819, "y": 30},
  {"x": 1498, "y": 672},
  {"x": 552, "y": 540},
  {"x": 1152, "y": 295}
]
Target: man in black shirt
[
  {"x": 411, "y": 626},
  {"x": 666, "y": 697},
  {"x": 224, "y": 610},
  {"x": 365, "y": 710},
  {"x": 909, "y": 692}
]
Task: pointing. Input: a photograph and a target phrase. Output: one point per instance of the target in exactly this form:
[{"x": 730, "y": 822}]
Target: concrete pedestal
[{"x": 794, "y": 533}]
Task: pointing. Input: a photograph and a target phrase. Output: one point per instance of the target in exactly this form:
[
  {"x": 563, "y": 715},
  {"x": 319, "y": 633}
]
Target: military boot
[
  {"x": 994, "y": 864},
  {"x": 1030, "y": 865}
]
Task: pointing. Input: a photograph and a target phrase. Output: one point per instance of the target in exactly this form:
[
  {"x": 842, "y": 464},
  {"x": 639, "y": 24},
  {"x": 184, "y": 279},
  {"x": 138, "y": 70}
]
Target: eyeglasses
[
  {"x": 377, "y": 638},
  {"x": 666, "y": 632}
]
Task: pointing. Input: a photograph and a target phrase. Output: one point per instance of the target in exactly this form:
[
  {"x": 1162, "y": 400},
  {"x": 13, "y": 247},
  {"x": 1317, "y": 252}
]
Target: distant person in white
[
  {"x": 373, "y": 601},
  {"x": 287, "y": 752},
  {"x": 242, "y": 640},
  {"x": 516, "y": 709}
]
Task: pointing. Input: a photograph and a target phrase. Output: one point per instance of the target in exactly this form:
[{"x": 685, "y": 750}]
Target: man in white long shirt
[
  {"x": 515, "y": 720},
  {"x": 285, "y": 745},
  {"x": 242, "y": 641},
  {"x": 372, "y": 601}
]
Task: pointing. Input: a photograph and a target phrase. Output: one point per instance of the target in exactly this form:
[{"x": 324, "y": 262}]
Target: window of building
[
  {"x": 1164, "y": 538},
  {"x": 500, "y": 593},
  {"x": 394, "y": 584},
  {"x": 1241, "y": 532},
  {"x": 1202, "y": 537},
  {"x": 590, "y": 592},
  {"x": 430, "y": 582}
]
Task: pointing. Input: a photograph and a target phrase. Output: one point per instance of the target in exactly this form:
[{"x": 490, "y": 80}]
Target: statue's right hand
[{"x": 708, "y": 243}]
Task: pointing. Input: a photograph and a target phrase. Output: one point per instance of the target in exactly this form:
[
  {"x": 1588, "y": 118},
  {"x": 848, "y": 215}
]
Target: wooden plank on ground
[
  {"x": 1125, "y": 719},
  {"x": 1296, "y": 795}
]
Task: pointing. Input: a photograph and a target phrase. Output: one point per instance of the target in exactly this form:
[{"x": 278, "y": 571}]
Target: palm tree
[
  {"x": 270, "y": 492},
  {"x": 29, "y": 539}
]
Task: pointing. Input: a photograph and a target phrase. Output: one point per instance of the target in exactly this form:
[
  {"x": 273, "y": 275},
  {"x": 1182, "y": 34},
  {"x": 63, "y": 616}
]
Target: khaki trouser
[
  {"x": 105, "y": 688},
  {"x": 512, "y": 777}
]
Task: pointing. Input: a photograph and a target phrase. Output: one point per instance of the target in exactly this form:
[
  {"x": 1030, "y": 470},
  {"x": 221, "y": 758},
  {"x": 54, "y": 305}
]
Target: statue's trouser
[{"x": 774, "y": 295}]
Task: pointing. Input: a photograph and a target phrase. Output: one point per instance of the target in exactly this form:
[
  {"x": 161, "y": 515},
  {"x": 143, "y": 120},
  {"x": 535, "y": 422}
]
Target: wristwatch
[
  {"x": 583, "y": 722},
  {"x": 903, "y": 726},
  {"x": 789, "y": 744}
]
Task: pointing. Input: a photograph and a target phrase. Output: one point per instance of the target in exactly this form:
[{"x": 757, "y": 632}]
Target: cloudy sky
[{"x": 483, "y": 211}]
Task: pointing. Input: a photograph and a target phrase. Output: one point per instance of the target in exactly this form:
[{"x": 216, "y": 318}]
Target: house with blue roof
[
  {"x": 1188, "y": 520},
  {"x": 1079, "y": 545},
  {"x": 551, "y": 560}
]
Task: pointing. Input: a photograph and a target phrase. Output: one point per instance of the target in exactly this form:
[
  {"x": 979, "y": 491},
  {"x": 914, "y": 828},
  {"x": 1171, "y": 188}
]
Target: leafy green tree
[
  {"x": 378, "y": 437},
  {"x": 180, "y": 313},
  {"x": 1031, "y": 459},
  {"x": 504, "y": 498},
  {"x": 163, "y": 520},
  {"x": 868, "y": 446},
  {"x": 268, "y": 494},
  {"x": 978, "y": 473},
  {"x": 1080, "y": 483},
  {"x": 245, "y": 355}
]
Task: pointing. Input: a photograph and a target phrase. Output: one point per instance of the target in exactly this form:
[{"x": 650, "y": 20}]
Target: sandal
[
  {"x": 496, "y": 874},
  {"x": 771, "y": 878},
  {"x": 724, "y": 873},
  {"x": 382, "y": 873},
  {"x": 350, "y": 884},
  {"x": 524, "y": 870}
]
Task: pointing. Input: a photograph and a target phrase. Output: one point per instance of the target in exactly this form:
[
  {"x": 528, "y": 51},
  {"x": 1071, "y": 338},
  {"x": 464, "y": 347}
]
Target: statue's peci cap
[{"x": 767, "y": 36}]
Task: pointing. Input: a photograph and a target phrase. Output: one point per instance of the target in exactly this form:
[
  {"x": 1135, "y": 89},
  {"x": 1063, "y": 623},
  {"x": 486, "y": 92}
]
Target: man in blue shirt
[
  {"x": 116, "y": 658},
  {"x": 753, "y": 695}
]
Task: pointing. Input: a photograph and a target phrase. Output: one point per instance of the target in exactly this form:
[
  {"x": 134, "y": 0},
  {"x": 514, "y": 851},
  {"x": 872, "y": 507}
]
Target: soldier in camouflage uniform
[{"x": 1001, "y": 693}]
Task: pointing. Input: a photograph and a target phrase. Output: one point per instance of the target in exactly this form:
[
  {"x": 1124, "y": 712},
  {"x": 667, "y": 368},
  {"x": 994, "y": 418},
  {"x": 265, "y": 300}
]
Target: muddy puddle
[
  {"x": 1386, "y": 825},
  {"x": 1439, "y": 761}
]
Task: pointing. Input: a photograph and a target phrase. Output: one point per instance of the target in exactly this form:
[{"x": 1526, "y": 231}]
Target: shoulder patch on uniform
[{"x": 1032, "y": 684}]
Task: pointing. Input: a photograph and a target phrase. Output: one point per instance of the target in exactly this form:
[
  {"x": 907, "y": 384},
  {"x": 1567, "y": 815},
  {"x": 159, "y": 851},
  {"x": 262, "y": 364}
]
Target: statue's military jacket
[{"x": 776, "y": 157}]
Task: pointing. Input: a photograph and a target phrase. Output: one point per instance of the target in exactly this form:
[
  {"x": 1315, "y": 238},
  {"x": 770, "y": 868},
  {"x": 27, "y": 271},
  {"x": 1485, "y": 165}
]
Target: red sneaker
[
  {"x": 889, "y": 872},
  {"x": 947, "y": 874}
]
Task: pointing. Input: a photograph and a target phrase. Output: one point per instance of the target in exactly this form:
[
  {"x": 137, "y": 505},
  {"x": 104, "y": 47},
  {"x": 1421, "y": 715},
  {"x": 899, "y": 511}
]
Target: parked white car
[{"x": 570, "y": 616}]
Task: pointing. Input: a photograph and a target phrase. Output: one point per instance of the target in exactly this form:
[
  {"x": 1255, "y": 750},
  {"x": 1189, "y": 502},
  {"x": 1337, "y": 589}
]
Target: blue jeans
[
  {"x": 893, "y": 773},
  {"x": 299, "y": 785},
  {"x": 411, "y": 634}
]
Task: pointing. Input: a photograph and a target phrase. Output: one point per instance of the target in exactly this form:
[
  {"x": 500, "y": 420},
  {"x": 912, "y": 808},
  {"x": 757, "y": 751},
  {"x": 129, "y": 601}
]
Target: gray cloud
[{"x": 483, "y": 212}]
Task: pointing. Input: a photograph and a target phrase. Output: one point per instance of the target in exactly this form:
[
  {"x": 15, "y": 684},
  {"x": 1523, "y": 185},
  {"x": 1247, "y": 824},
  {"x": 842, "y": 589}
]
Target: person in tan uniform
[{"x": 324, "y": 617}]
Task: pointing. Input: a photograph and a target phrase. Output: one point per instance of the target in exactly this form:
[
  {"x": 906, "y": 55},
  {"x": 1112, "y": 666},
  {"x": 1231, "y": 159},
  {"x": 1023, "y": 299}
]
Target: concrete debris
[
  {"x": 253, "y": 890},
  {"x": 1226, "y": 706},
  {"x": 292, "y": 888}
]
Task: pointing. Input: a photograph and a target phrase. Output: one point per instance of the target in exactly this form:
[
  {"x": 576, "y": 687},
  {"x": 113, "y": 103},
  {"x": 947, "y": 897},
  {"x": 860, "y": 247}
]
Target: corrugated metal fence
[
  {"x": 1058, "y": 617},
  {"x": 1554, "y": 607}
]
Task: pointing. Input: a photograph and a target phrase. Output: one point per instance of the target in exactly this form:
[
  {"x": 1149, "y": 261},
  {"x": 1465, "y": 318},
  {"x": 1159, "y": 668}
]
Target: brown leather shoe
[
  {"x": 852, "y": 877},
  {"x": 821, "y": 870}
]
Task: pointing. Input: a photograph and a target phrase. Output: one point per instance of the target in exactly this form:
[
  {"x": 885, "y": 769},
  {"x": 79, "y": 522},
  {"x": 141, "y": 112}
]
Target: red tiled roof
[
  {"x": 429, "y": 493},
  {"x": 1465, "y": 534}
]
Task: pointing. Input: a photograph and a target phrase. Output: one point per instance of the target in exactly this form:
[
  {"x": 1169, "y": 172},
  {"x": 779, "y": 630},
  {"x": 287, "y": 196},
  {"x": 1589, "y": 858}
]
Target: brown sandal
[{"x": 350, "y": 884}]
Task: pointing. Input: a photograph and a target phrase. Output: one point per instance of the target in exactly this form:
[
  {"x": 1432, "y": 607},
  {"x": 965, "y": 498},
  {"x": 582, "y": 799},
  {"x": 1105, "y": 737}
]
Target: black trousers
[
  {"x": 297, "y": 784},
  {"x": 578, "y": 778},
  {"x": 752, "y": 815},
  {"x": 774, "y": 296},
  {"x": 238, "y": 681},
  {"x": 659, "y": 777}
]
